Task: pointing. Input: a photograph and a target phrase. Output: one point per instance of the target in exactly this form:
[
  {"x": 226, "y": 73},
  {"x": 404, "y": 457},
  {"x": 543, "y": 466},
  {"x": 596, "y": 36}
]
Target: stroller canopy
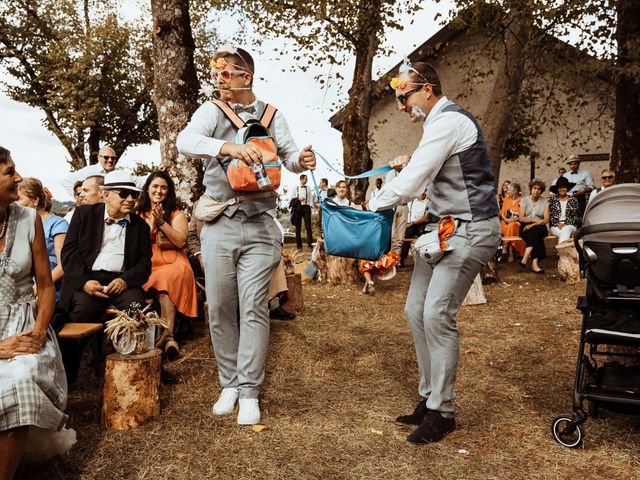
[{"x": 616, "y": 206}]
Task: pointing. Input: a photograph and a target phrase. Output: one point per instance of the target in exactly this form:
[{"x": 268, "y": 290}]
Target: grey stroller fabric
[{"x": 618, "y": 204}]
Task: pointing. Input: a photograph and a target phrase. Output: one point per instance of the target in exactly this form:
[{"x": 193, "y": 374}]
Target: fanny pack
[
  {"x": 208, "y": 209},
  {"x": 433, "y": 245}
]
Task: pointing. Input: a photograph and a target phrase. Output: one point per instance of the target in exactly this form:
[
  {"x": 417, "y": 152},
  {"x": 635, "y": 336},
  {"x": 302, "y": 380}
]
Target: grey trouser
[
  {"x": 435, "y": 296},
  {"x": 240, "y": 255}
]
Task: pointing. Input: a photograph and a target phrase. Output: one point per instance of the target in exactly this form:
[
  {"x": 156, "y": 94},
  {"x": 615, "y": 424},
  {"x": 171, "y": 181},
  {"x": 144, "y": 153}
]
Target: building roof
[{"x": 456, "y": 27}]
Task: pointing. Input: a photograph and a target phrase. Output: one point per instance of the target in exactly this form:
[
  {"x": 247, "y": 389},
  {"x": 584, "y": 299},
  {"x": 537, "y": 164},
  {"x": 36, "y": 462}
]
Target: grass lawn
[{"x": 340, "y": 373}]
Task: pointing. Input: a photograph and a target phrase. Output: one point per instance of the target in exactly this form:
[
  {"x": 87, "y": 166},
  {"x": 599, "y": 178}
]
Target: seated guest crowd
[{"x": 526, "y": 221}]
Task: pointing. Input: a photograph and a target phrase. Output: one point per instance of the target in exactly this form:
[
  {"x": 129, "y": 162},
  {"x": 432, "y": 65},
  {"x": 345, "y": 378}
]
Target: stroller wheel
[{"x": 566, "y": 432}]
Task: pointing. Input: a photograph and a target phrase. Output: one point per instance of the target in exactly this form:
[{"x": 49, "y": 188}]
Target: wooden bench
[{"x": 76, "y": 331}]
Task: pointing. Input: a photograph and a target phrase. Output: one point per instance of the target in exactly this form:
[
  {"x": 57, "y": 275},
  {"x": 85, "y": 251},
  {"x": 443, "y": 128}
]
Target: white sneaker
[
  {"x": 249, "y": 411},
  {"x": 226, "y": 401}
]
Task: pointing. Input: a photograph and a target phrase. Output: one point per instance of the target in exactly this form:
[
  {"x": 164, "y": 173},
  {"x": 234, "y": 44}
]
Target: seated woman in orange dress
[
  {"x": 509, "y": 221},
  {"x": 171, "y": 280}
]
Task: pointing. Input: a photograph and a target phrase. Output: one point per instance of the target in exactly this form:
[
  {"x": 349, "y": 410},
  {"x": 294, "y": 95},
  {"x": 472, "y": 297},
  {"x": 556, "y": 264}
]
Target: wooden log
[
  {"x": 475, "y": 296},
  {"x": 568, "y": 263},
  {"x": 295, "y": 299},
  {"x": 335, "y": 270},
  {"x": 490, "y": 272},
  {"x": 131, "y": 389}
]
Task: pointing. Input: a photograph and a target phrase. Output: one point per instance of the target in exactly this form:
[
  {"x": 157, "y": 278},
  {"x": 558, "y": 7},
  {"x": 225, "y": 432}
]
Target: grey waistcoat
[
  {"x": 215, "y": 178},
  {"x": 464, "y": 186}
]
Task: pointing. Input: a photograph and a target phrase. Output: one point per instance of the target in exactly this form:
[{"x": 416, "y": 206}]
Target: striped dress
[{"x": 33, "y": 388}]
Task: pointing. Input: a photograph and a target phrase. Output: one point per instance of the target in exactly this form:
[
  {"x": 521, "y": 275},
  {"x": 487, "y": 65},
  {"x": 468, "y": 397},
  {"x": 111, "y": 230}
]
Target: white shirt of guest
[
  {"x": 444, "y": 135},
  {"x": 111, "y": 256},
  {"x": 417, "y": 209},
  {"x": 343, "y": 202},
  {"x": 581, "y": 178},
  {"x": 304, "y": 192},
  {"x": 196, "y": 139}
]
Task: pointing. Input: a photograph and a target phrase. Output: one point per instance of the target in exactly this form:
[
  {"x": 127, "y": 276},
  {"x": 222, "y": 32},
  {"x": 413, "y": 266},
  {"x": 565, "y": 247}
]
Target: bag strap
[
  {"x": 229, "y": 113},
  {"x": 370, "y": 173},
  {"x": 268, "y": 115}
]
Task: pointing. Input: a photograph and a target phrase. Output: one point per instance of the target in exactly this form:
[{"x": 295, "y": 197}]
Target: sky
[{"x": 305, "y": 103}]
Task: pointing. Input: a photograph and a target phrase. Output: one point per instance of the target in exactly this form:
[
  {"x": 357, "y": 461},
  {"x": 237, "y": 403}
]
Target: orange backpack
[{"x": 256, "y": 132}]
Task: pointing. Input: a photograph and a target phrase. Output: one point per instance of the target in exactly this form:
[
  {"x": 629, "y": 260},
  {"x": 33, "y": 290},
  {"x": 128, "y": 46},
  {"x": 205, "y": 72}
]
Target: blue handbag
[{"x": 353, "y": 233}]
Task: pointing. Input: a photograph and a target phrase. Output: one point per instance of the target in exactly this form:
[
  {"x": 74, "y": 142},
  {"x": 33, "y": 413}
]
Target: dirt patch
[{"x": 339, "y": 374}]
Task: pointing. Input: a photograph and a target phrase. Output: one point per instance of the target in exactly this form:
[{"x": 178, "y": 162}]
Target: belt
[{"x": 253, "y": 196}]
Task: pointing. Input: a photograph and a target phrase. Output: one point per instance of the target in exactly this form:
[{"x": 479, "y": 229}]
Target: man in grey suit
[
  {"x": 242, "y": 247},
  {"x": 452, "y": 165}
]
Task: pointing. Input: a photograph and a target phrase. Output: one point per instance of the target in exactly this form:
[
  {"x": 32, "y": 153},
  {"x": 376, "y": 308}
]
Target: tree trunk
[
  {"x": 355, "y": 129},
  {"x": 175, "y": 90},
  {"x": 625, "y": 152},
  {"x": 506, "y": 91}
]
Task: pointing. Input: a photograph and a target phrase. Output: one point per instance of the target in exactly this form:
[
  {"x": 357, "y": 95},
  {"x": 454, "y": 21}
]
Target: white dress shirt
[
  {"x": 444, "y": 135},
  {"x": 196, "y": 140},
  {"x": 306, "y": 193},
  {"x": 581, "y": 178},
  {"x": 111, "y": 256},
  {"x": 89, "y": 171},
  {"x": 417, "y": 209}
]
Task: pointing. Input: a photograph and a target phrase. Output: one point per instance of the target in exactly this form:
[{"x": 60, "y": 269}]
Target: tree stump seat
[
  {"x": 568, "y": 262},
  {"x": 131, "y": 392},
  {"x": 295, "y": 299}
]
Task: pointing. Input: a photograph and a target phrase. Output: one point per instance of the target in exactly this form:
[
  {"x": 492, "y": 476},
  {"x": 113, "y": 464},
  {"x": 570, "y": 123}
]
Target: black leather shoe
[
  {"x": 416, "y": 417},
  {"x": 433, "y": 428},
  {"x": 279, "y": 314},
  {"x": 167, "y": 378}
]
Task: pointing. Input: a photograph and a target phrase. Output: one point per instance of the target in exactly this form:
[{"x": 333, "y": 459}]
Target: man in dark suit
[
  {"x": 106, "y": 259},
  {"x": 106, "y": 255}
]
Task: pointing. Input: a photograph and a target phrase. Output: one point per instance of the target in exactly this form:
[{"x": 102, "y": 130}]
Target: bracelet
[{"x": 161, "y": 223}]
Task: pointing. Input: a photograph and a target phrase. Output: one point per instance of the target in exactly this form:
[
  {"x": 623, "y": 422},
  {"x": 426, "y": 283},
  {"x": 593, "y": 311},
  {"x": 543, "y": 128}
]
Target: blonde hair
[{"x": 32, "y": 188}]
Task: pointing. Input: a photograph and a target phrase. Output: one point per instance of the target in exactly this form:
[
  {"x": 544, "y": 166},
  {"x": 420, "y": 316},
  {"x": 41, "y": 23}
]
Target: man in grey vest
[
  {"x": 242, "y": 247},
  {"x": 452, "y": 165}
]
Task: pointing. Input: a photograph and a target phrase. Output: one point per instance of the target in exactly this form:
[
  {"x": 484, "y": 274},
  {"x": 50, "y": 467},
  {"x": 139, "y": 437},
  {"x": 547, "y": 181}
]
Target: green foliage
[
  {"x": 325, "y": 32},
  {"x": 549, "y": 91},
  {"x": 86, "y": 67}
]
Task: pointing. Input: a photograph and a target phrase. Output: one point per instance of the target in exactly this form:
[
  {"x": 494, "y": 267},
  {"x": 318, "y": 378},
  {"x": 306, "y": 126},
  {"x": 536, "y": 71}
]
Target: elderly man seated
[{"x": 106, "y": 255}]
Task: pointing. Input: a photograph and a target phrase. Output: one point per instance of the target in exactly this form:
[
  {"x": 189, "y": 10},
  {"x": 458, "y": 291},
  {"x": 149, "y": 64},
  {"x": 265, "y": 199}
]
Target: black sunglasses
[
  {"x": 607, "y": 177},
  {"x": 404, "y": 98},
  {"x": 109, "y": 157},
  {"x": 124, "y": 193}
]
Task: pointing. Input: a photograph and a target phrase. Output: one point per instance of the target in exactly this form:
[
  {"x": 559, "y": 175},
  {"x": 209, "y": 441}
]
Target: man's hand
[
  {"x": 116, "y": 287},
  {"x": 93, "y": 288},
  {"x": 246, "y": 152},
  {"x": 307, "y": 158},
  {"x": 399, "y": 162},
  {"x": 22, "y": 344}
]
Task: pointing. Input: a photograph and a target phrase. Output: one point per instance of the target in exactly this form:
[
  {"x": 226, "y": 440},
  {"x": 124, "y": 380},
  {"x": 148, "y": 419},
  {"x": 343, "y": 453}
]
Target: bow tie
[
  {"x": 238, "y": 108},
  {"x": 573, "y": 173},
  {"x": 110, "y": 221}
]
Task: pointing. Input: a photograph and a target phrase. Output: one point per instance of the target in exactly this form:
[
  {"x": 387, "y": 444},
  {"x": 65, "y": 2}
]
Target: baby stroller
[{"x": 610, "y": 261}]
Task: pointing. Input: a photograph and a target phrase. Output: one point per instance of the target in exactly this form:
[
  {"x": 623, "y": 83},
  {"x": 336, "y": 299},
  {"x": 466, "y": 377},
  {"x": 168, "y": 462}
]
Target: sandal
[{"x": 171, "y": 349}]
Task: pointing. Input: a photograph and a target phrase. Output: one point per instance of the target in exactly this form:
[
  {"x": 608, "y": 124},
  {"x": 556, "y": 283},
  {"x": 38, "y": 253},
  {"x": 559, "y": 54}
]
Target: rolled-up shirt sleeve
[
  {"x": 443, "y": 136},
  {"x": 196, "y": 140},
  {"x": 288, "y": 151}
]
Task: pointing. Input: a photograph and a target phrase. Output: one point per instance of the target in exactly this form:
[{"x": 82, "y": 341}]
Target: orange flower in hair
[
  {"x": 48, "y": 193},
  {"x": 397, "y": 84},
  {"x": 219, "y": 64}
]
